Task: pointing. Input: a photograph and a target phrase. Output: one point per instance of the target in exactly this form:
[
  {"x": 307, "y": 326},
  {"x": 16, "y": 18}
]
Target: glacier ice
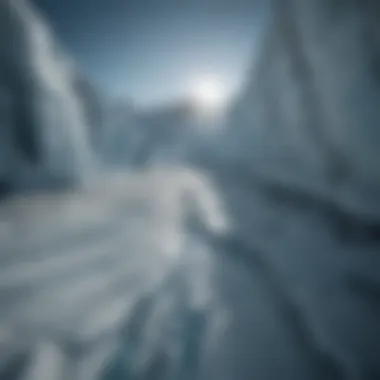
[
  {"x": 309, "y": 112},
  {"x": 265, "y": 266},
  {"x": 44, "y": 122}
]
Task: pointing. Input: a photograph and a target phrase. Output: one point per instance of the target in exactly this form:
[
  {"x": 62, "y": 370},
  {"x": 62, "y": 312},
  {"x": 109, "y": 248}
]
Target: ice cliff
[
  {"x": 309, "y": 113},
  {"x": 48, "y": 112}
]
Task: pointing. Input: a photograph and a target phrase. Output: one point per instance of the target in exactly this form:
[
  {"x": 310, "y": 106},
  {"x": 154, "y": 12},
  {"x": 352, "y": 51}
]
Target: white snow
[
  {"x": 263, "y": 268},
  {"x": 74, "y": 264}
]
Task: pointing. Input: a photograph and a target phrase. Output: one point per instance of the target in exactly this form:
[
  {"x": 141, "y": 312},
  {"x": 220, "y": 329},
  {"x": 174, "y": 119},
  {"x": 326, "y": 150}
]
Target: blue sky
[{"x": 153, "y": 50}]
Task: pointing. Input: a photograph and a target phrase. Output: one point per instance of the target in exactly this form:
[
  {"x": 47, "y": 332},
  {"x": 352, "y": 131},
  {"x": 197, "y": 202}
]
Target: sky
[{"x": 154, "y": 51}]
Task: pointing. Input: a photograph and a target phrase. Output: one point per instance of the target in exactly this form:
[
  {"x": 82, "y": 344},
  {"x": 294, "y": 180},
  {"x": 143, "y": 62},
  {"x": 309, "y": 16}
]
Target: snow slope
[{"x": 85, "y": 260}]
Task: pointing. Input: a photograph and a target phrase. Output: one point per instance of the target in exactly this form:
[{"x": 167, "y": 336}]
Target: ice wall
[
  {"x": 309, "y": 114},
  {"x": 45, "y": 124}
]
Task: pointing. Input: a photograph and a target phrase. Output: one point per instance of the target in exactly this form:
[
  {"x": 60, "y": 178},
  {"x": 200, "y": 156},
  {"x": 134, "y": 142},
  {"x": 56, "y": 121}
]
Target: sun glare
[{"x": 209, "y": 93}]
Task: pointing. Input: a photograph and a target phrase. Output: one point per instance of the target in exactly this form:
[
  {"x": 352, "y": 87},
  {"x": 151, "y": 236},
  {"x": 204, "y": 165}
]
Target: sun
[{"x": 209, "y": 93}]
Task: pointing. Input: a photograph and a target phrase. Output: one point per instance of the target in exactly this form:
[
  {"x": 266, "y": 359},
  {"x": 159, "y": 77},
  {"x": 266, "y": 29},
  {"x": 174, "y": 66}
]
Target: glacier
[{"x": 254, "y": 256}]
